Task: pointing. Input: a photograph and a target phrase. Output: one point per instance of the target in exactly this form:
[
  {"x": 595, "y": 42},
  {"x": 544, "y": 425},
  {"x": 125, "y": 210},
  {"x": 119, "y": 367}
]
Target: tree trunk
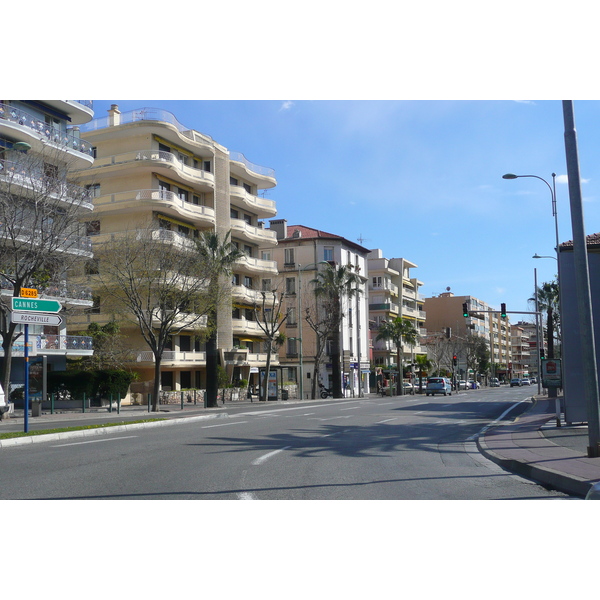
[
  {"x": 400, "y": 380},
  {"x": 265, "y": 390},
  {"x": 156, "y": 390},
  {"x": 212, "y": 376}
]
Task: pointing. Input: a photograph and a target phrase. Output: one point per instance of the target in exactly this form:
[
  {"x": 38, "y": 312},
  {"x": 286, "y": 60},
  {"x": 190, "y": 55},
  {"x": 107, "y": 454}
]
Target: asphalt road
[{"x": 411, "y": 447}]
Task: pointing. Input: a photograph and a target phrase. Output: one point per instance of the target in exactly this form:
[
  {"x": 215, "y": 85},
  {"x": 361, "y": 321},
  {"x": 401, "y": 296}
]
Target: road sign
[
  {"x": 33, "y": 318},
  {"x": 31, "y": 305},
  {"x": 28, "y": 293}
]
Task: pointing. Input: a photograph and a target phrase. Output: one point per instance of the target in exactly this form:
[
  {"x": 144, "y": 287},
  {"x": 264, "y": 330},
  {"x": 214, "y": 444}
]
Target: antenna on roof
[{"x": 361, "y": 239}]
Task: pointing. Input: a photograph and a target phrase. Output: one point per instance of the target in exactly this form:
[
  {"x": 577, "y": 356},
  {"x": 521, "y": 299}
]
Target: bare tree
[
  {"x": 319, "y": 318},
  {"x": 269, "y": 317},
  {"x": 41, "y": 233},
  {"x": 159, "y": 282}
]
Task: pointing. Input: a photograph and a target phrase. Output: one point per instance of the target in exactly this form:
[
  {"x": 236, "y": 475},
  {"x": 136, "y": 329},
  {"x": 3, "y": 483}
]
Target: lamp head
[{"x": 510, "y": 176}]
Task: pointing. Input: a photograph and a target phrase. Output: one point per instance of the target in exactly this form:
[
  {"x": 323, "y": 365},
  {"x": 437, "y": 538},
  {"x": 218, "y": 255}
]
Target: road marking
[
  {"x": 246, "y": 496},
  {"x": 223, "y": 424},
  {"x": 125, "y": 437},
  {"x": 386, "y": 420},
  {"x": 261, "y": 459},
  {"x": 350, "y": 408},
  {"x": 484, "y": 429}
]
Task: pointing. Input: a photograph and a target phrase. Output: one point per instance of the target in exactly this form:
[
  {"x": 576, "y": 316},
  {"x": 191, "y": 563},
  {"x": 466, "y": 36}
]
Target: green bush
[{"x": 91, "y": 383}]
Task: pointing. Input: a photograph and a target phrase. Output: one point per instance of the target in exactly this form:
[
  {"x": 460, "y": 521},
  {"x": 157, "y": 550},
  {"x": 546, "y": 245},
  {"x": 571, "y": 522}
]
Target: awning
[{"x": 175, "y": 221}]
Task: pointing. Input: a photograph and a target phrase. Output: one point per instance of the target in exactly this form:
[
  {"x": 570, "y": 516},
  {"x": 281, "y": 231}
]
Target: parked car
[
  {"x": 525, "y": 381},
  {"x": 438, "y": 385},
  {"x": 533, "y": 380},
  {"x": 494, "y": 382},
  {"x": 474, "y": 385},
  {"x": 515, "y": 381},
  {"x": 462, "y": 384}
]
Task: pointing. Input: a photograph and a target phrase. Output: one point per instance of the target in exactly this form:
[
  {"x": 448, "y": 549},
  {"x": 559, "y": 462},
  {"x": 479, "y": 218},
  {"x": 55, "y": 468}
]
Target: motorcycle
[{"x": 325, "y": 393}]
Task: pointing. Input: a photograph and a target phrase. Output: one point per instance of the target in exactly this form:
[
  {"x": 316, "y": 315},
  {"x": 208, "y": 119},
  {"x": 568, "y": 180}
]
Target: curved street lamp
[{"x": 552, "y": 392}]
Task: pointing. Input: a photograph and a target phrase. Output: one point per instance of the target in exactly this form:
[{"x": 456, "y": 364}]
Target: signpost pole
[{"x": 26, "y": 390}]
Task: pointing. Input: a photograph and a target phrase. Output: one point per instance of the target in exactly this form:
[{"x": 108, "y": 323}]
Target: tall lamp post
[{"x": 552, "y": 392}]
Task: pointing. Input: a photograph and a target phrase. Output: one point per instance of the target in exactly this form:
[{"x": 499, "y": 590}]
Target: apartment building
[
  {"x": 300, "y": 253},
  {"x": 523, "y": 363},
  {"x": 151, "y": 168},
  {"x": 41, "y": 237},
  {"x": 445, "y": 311},
  {"x": 393, "y": 292}
]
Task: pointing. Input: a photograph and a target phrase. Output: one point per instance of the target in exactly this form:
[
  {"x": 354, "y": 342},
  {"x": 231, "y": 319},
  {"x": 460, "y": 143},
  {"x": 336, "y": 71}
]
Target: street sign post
[{"x": 35, "y": 305}]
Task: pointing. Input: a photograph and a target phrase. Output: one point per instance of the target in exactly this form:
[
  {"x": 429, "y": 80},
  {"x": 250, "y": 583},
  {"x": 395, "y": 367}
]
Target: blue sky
[{"x": 419, "y": 179}]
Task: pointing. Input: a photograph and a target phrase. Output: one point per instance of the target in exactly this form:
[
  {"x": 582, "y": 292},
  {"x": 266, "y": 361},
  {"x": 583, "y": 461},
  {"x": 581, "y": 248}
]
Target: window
[
  {"x": 266, "y": 285},
  {"x": 183, "y": 194},
  {"x": 92, "y": 228},
  {"x": 328, "y": 253},
  {"x": 207, "y": 165},
  {"x": 291, "y": 320},
  {"x": 93, "y": 190},
  {"x": 290, "y": 285},
  {"x": 236, "y": 279},
  {"x": 248, "y": 219},
  {"x": 291, "y": 346},
  {"x": 248, "y": 187},
  {"x": 233, "y": 181},
  {"x": 248, "y": 249},
  {"x": 289, "y": 256},
  {"x": 234, "y": 214},
  {"x": 92, "y": 267},
  {"x": 248, "y": 282},
  {"x": 265, "y": 254}
]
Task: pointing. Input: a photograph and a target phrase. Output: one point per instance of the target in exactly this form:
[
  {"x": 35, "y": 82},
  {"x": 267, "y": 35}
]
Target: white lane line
[
  {"x": 386, "y": 420},
  {"x": 125, "y": 437},
  {"x": 261, "y": 459},
  {"x": 484, "y": 429},
  {"x": 223, "y": 424},
  {"x": 350, "y": 408},
  {"x": 246, "y": 496}
]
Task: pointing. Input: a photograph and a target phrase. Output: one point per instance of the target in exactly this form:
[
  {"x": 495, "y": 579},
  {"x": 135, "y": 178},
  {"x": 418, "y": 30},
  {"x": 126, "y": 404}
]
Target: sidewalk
[{"x": 533, "y": 446}]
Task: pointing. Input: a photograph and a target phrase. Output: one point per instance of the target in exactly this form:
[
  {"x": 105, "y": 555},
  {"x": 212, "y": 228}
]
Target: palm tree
[
  {"x": 424, "y": 364},
  {"x": 548, "y": 301},
  {"x": 397, "y": 330},
  {"x": 220, "y": 255},
  {"x": 334, "y": 284}
]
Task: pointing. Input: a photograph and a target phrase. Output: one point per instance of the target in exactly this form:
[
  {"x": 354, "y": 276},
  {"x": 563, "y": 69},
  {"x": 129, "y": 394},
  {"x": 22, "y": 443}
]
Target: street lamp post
[{"x": 552, "y": 392}]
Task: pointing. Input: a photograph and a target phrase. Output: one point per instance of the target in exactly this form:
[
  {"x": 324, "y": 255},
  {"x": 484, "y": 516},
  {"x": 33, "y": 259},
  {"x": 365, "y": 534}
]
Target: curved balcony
[
  {"x": 172, "y": 358},
  {"x": 263, "y": 177},
  {"x": 241, "y": 293},
  {"x": 250, "y": 233},
  {"x": 79, "y": 111},
  {"x": 262, "y": 207},
  {"x": 159, "y": 116},
  {"x": 25, "y": 127},
  {"x": 161, "y": 162},
  {"x": 254, "y": 266},
  {"x": 154, "y": 199},
  {"x": 33, "y": 180}
]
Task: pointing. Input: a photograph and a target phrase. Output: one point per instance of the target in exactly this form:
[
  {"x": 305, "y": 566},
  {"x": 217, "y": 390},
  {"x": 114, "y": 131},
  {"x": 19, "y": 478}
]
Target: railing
[
  {"x": 16, "y": 115},
  {"x": 28, "y": 234},
  {"x": 62, "y": 290},
  {"x": 23, "y": 175},
  {"x": 63, "y": 342},
  {"x": 156, "y": 194},
  {"x": 251, "y": 199},
  {"x": 154, "y": 155},
  {"x": 239, "y": 157}
]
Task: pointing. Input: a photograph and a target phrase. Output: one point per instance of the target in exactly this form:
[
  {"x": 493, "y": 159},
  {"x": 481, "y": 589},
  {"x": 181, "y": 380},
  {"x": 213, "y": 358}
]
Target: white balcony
[
  {"x": 160, "y": 161},
  {"x": 262, "y": 207},
  {"x": 250, "y": 233}
]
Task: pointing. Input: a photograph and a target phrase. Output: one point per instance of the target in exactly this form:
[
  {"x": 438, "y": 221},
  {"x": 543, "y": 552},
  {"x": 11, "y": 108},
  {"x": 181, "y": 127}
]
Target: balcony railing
[
  {"x": 156, "y": 195},
  {"x": 44, "y": 130},
  {"x": 24, "y": 176},
  {"x": 155, "y": 155},
  {"x": 60, "y": 290},
  {"x": 239, "y": 157}
]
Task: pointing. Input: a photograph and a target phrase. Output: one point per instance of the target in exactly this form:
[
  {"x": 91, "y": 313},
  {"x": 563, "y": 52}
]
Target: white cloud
[
  {"x": 565, "y": 179},
  {"x": 286, "y": 105}
]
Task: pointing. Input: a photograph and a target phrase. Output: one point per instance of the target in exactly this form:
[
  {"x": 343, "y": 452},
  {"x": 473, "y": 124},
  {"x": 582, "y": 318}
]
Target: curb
[
  {"x": 63, "y": 435},
  {"x": 568, "y": 484}
]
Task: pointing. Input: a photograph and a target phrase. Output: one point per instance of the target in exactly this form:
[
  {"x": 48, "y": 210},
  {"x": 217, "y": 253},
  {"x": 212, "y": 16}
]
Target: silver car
[{"x": 438, "y": 385}]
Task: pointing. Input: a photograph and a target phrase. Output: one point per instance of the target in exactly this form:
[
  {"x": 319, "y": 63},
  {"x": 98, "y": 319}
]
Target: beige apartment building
[
  {"x": 299, "y": 254},
  {"x": 523, "y": 362},
  {"x": 446, "y": 312},
  {"x": 150, "y": 167},
  {"x": 393, "y": 292}
]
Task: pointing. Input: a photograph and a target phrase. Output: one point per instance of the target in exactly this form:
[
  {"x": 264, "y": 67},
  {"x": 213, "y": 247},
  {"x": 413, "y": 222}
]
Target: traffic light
[
  {"x": 465, "y": 310},
  {"x": 455, "y": 360},
  {"x": 448, "y": 332},
  {"x": 503, "y": 310}
]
